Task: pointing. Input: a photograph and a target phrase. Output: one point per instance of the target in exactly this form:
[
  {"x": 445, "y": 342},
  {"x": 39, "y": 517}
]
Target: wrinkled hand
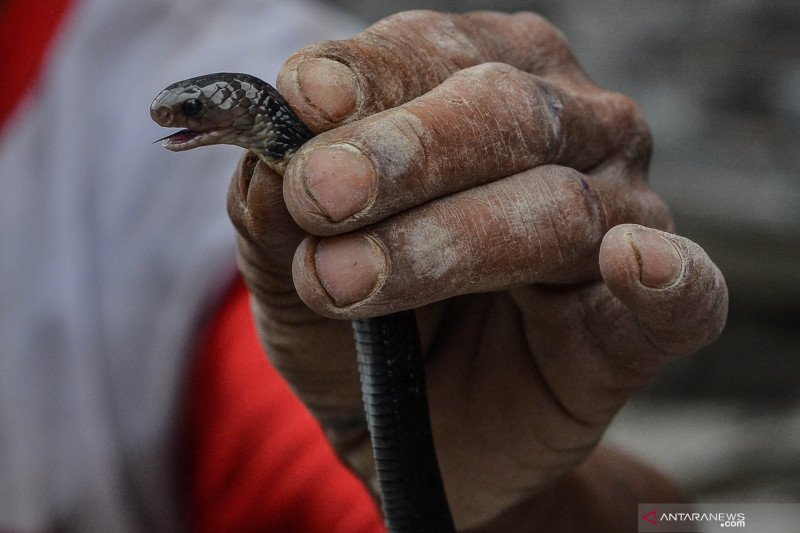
[{"x": 470, "y": 169}]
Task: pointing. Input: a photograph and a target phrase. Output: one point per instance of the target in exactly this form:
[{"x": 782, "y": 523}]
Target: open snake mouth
[{"x": 187, "y": 139}]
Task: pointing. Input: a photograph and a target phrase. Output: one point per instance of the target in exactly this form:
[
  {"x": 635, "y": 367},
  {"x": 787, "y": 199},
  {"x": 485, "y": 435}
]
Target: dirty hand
[{"x": 467, "y": 167}]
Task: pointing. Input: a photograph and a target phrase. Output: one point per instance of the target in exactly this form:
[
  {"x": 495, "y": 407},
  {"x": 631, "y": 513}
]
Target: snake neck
[
  {"x": 277, "y": 164},
  {"x": 280, "y": 136}
]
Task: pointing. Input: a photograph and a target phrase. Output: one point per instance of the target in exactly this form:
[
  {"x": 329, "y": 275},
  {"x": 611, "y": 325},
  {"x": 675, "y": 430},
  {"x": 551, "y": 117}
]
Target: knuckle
[
  {"x": 654, "y": 212},
  {"x": 429, "y": 32},
  {"x": 563, "y": 217},
  {"x": 405, "y": 154},
  {"x": 521, "y": 109},
  {"x": 403, "y": 56},
  {"x": 573, "y": 191},
  {"x": 544, "y": 29},
  {"x": 549, "y": 48},
  {"x": 412, "y": 18},
  {"x": 637, "y": 145}
]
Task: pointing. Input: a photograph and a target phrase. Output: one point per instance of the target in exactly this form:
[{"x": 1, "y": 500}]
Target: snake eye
[{"x": 191, "y": 107}]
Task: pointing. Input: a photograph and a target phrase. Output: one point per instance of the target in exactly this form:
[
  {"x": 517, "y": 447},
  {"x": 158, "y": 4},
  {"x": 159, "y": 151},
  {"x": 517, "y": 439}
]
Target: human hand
[{"x": 470, "y": 169}]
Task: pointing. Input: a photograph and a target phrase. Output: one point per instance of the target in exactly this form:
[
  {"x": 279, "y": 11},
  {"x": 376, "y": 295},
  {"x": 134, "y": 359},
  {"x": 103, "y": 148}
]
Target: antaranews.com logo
[
  {"x": 702, "y": 517},
  {"x": 657, "y": 517}
]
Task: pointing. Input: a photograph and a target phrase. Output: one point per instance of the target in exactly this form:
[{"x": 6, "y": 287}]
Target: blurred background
[{"x": 720, "y": 84}]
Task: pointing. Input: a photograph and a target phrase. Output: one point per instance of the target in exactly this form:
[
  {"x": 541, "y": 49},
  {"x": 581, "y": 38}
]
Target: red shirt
[{"x": 259, "y": 461}]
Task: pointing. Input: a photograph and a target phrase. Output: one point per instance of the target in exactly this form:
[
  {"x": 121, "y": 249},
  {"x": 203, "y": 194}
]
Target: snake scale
[{"x": 239, "y": 109}]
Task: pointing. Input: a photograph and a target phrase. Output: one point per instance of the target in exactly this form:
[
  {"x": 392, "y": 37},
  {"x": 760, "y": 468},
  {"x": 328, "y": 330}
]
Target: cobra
[{"x": 239, "y": 109}]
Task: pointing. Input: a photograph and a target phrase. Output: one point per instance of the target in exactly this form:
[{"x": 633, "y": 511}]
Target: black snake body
[{"x": 239, "y": 109}]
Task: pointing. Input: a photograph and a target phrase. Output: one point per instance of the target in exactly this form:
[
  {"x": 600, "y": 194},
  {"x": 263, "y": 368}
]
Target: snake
[{"x": 243, "y": 110}]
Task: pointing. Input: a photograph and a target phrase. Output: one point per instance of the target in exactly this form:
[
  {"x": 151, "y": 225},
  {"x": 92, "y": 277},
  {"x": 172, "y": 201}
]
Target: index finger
[{"x": 408, "y": 54}]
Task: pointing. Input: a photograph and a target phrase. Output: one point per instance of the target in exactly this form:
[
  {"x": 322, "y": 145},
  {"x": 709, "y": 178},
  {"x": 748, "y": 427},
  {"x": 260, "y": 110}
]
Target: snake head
[{"x": 229, "y": 108}]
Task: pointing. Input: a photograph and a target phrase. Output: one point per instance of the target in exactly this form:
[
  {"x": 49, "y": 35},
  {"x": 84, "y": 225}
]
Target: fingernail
[
  {"x": 329, "y": 86},
  {"x": 659, "y": 261},
  {"x": 340, "y": 179},
  {"x": 349, "y": 267}
]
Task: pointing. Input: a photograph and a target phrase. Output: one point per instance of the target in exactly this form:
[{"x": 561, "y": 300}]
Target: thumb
[{"x": 673, "y": 289}]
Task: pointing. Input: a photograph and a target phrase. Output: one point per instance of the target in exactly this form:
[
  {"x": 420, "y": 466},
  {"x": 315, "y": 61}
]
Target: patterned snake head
[{"x": 229, "y": 108}]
